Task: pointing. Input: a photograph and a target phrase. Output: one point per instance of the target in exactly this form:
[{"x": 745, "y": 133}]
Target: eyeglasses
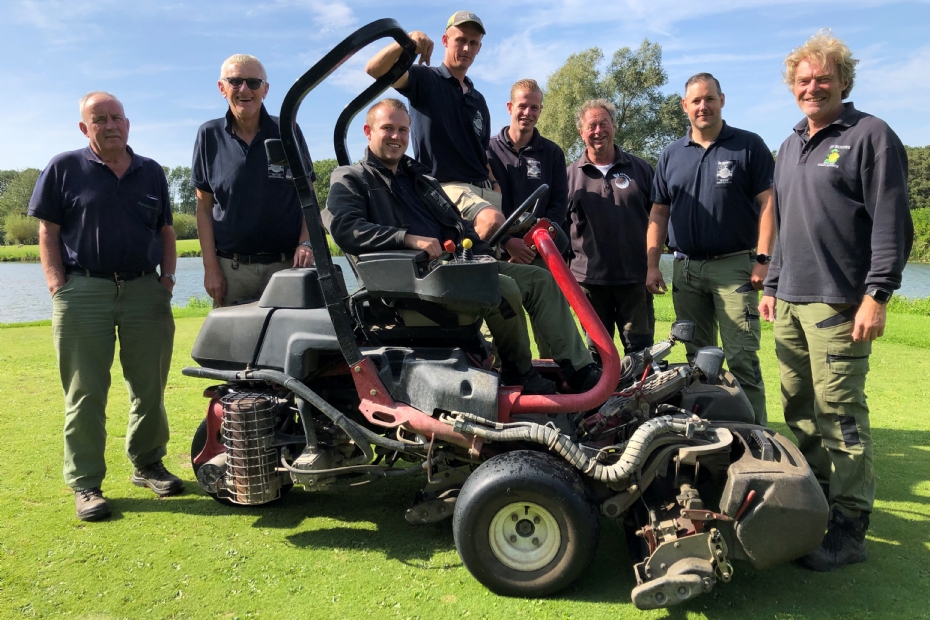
[{"x": 252, "y": 83}]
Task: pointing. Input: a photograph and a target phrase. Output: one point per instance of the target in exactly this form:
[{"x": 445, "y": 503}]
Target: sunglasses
[{"x": 252, "y": 83}]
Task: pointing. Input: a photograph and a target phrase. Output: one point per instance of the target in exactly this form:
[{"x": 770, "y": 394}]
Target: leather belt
[
  {"x": 682, "y": 255},
  {"x": 257, "y": 259},
  {"x": 115, "y": 276}
]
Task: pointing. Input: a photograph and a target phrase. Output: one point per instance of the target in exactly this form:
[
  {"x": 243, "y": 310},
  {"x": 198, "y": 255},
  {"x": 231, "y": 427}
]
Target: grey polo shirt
[
  {"x": 607, "y": 219},
  {"x": 108, "y": 223},
  {"x": 256, "y": 210},
  {"x": 844, "y": 226},
  {"x": 450, "y": 129},
  {"x": 712, "y": 192}
]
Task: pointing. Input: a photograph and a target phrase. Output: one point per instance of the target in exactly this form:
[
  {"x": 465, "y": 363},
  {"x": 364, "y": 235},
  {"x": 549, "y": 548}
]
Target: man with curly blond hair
[{"x": 844, "y": 235}]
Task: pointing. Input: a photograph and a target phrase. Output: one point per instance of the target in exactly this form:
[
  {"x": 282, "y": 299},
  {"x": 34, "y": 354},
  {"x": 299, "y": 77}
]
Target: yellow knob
[{"x": 466, "y": 243}]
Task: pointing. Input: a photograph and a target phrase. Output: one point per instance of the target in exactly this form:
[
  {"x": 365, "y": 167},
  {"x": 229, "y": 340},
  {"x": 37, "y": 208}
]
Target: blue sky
[{"x": 162, "y": 59}]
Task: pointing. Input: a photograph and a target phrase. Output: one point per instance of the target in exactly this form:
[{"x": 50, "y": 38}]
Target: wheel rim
[{"x": 524, "y": 536}]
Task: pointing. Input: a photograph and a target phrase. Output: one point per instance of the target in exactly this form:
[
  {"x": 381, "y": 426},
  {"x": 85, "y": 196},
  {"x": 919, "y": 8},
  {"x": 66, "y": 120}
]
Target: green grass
[{"x": 349, "y": 553}]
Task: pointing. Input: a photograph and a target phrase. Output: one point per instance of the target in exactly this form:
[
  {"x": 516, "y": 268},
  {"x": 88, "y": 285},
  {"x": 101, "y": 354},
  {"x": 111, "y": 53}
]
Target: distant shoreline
[{"x": 187, "y": 248}]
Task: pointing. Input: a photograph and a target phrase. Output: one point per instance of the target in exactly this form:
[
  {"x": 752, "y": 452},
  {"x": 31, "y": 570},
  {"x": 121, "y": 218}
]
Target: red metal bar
[{"x": 541, "y": 237}]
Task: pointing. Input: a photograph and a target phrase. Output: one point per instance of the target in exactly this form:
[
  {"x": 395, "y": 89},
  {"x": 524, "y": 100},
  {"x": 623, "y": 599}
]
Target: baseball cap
[{"x": 465, "y": 17}]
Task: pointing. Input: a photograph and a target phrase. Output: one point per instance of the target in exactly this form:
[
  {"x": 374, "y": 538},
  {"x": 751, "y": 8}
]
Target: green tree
[
  {"x": 323, "y": 168},
  {"x": 918, "y": 177},
  {"x": 647, "y": 120},
  {"x": 183, "y": 194},
  {"x": 16, "y": 194},
  {"x": 5, "y": 177}
]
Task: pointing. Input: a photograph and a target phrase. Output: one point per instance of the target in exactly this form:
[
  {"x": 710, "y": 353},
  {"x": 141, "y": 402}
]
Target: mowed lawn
[{"x": 348, "y": 553}]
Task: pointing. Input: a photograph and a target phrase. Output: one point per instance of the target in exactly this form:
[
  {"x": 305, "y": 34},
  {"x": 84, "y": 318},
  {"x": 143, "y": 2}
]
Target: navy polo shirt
[
  {"x": 521, "y": 173},
  {"x": 108, "y": 224},
  {"x": 255, "y": 209},
  {"x": 450, "y": 129},
  {"x": 712, "y": 192}
]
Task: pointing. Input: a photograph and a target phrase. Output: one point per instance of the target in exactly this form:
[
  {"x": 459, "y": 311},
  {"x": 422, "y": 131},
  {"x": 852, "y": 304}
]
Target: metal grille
[{"x": 248, "y": 429}]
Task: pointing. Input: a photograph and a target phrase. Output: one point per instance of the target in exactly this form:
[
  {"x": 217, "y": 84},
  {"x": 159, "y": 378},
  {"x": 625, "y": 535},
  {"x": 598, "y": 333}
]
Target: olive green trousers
[{"x": 823, "y": 393}]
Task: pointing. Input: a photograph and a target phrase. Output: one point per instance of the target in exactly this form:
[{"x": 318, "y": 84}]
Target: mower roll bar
[{"x": 359, "y": 39}]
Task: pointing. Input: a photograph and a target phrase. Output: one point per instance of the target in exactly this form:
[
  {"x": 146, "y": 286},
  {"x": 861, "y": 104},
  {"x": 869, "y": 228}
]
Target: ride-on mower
[{"x": 321, "y": 388}]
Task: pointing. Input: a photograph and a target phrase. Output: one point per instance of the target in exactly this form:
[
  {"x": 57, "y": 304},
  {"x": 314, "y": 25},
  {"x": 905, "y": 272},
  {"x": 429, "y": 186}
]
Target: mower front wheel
[{"x": 523, "y": 524}]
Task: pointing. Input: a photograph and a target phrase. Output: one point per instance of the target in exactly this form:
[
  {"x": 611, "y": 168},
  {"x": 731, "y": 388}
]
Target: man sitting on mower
[{"x": 387, "y": 202}]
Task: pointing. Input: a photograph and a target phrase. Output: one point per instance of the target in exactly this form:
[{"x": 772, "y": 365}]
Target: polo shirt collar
[
  {"x": 263, "y": 120},
  {"x": 444, "y": 72},
  {"x": 847, "y": 118},
  {"x": 535, "y": 142},
  {"x": 726, "y": 132},
  {"x": 620, "y": 157},
  {"x": 90, "y": 155}
]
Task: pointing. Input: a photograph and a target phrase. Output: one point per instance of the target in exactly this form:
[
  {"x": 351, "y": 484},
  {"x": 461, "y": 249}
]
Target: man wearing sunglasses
[{"x": 248, "y": 214}]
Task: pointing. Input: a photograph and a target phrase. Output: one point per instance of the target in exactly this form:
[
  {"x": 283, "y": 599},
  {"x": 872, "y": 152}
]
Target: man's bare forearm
[
  {"x": 205, "y": 229},
  {"x": 656, "y": 233},
  {"x": 50, "y": 255},
  {"x": 766, "y": 242}
]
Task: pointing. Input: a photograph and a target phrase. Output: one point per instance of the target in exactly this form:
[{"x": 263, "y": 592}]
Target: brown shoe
[
  {"x": 156, "y": 477},
  {"x": 90, "y": 504}
]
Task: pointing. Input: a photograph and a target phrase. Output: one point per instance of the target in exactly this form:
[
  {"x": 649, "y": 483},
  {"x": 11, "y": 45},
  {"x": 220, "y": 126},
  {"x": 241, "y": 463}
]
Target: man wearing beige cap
[{"x": 450, "y": 119}]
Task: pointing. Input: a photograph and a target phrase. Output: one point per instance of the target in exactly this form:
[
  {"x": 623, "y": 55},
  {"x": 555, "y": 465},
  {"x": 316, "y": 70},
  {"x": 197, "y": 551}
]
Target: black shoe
[
  {"x": 90, "y": 504},
  {"x": 844, "y": 544},
  {"x": 585, "y": 379},
  {"x": 532, "y": 381},
  {"x": 156, "y": 477}
]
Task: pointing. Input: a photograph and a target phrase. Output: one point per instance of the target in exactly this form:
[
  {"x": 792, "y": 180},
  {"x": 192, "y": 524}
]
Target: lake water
[{"x": 24, "y": 296}]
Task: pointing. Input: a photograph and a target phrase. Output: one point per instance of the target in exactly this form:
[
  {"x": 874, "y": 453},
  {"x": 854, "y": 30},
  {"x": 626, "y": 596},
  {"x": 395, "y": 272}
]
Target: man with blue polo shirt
[
  {"x": 450, "y": 118},
  {"x": 844, "y": 235},
  {"x": 249, "y": 219},
  {"x": 712, "y": 197},
  {"x": 104, "y": 228}
]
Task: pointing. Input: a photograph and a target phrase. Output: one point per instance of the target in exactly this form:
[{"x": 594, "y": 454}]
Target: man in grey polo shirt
[
  {"x": 450, "y": 121},
  {"x": 712, "y": 196},
  {"x": 844, "y": 235},
  {"x": 249, "y": 219},
  {"x": 105, "y": 225}
]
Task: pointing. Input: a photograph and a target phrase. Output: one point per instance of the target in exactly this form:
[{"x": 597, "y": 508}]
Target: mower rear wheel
[{"x": 523, "y": 524}]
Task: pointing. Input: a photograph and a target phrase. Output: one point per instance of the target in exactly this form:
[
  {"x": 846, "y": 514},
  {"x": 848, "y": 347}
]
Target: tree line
[{"x": 647, "y": 121}]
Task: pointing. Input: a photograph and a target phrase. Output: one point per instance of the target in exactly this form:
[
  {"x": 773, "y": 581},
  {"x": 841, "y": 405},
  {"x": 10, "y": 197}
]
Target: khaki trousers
[{"x": 244, "y": 282}]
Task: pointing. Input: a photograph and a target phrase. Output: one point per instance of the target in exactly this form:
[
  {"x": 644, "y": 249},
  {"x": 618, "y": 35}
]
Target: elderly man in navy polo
[
  {"x": 104, "y": 228},
  {"x": 450, "y": 121},
  {"x": 713, "y": 198},
  {"x": 248, "y": 214}
]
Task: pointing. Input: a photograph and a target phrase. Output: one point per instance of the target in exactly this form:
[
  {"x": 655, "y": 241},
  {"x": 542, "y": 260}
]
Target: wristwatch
[
  {"x": 881, "y": 295},
  {"x": 763, "y": 259},
  {"x": 170, "y": 276},
  {"x": 306, "y": 243}
]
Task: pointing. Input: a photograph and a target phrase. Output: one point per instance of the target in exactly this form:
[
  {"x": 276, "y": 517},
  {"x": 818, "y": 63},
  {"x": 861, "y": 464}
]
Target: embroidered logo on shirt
[
  {"x": 478, "y": 123},
  {"x": 276, "y": 171},
  {"x": 833, "y": 156},
  {"x": 621, "y": 180},
  {"x": 725, "y": 171},
  {"x": 533, "y": 169}
]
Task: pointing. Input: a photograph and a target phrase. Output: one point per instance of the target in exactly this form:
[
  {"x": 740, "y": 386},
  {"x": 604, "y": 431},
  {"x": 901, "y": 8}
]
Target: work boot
[
  {"x": 844, "y": 544},
  {"x": 90, "y": 504},
  {"x": 156, "y": 477},
  {"x": 532, "y": 381},
  {"x": 584, "y": 379}
]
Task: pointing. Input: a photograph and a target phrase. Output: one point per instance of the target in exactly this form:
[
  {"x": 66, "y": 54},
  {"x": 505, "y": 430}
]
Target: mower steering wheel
[{"x": 534, "y": 199}]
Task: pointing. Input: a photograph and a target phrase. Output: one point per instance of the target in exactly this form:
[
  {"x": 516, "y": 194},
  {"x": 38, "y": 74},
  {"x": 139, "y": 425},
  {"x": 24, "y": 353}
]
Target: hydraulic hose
[
  {"x": 555, "y": 441},
  {"x": 361, "y": 435}
]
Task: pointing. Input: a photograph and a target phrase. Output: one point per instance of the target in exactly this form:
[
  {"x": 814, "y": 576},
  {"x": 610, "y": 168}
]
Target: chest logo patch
[
  {"x": 621, "y": 181},
  {"x": 725, "y": 170},
  {"x": 533, "y": 169},
  {"x": 276, "y": 171},
  {"x": 478, "y": 124},
  {"x": 832, "y": 157}
]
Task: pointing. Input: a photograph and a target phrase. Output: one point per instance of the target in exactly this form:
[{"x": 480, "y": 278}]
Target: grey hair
[
  {"x": 94, "y": 93},
  {"x": 591, "y": 104},
  {"x": 243, "y": 59}
]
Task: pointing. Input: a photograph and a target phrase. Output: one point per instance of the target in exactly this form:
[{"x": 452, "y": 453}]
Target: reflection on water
[{"x": 24, "y": 297}]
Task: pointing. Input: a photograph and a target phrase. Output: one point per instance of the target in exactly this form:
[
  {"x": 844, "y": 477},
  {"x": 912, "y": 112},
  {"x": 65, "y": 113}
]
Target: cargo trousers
[
  {"x": 719, "y": 297},
  {"x": 823, "y": 375},
  {"x": 88, "y": 315}
]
